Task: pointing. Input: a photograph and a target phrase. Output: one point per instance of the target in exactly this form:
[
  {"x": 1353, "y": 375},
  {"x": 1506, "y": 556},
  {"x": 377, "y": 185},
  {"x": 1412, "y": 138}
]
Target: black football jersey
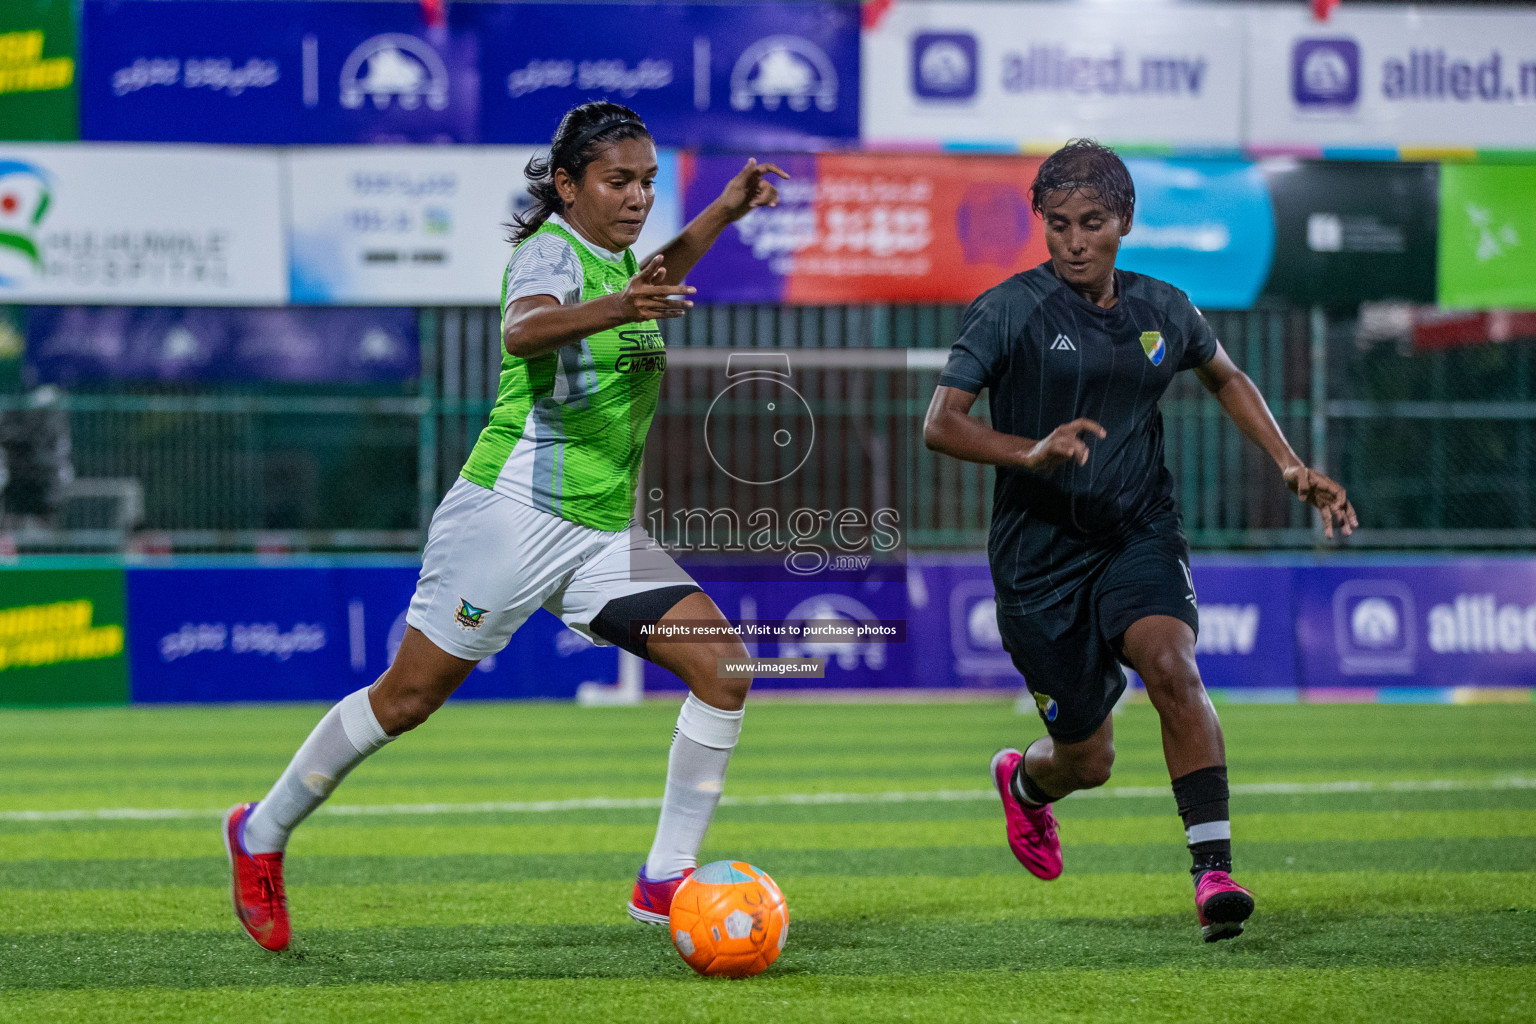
[{"x": 1047, "y": 356}]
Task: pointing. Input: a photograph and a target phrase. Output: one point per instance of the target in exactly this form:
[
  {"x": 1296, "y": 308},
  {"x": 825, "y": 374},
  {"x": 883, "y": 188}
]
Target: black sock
[
  {"x": 1202, "y": 797},
  {"x": 1026, "y": 791}
]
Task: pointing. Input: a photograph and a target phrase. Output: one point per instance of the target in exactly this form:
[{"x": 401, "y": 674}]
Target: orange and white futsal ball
[{"x": 729, "y": 920}]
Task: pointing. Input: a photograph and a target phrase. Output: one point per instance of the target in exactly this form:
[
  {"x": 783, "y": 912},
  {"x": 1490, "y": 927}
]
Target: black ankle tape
[{"x": 1027, "y": 791}]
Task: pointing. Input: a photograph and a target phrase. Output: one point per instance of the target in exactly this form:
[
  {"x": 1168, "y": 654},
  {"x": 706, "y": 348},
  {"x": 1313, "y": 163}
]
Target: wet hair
[
  {"x": 584, "y": 133},
  {"x": 1084, "y": 165}
]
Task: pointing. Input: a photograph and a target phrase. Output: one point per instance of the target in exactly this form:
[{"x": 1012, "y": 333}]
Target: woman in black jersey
[{"x": 1086, "y": 548}]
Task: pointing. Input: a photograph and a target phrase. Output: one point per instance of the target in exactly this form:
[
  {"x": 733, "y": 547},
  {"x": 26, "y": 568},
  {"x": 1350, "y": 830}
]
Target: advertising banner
[
  {"x": 423, "y": 225},
  {"x": 1393, "y": 77},
  {"x": 268, "y": 71},
  {"x": 1348, "y": 233},
  {"x": 871, "y": 228},
  {"x": 739, "y": 75},
  {"x": 39, "y": 100},
  {"x": 87, "y": 224},
  {"x": 316, "y": 633},
  {"x": 1465, "y": 622},
  {"x": 72, "y": 344},
  {"x": 1005, "y": 74},
  {"x": 1205, "y": 226},
  {"x": 61, "y": 637},
  {"x": 1487, "y": 236}
]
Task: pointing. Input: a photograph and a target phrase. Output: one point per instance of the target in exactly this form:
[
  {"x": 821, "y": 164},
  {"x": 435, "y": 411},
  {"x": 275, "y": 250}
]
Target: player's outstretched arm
[
  {"x": 950, "y": 428},
  {"x": 539, "y": 324},
  {"x": 741, "y": 195},
  {"x": 1247, "y": 408}
]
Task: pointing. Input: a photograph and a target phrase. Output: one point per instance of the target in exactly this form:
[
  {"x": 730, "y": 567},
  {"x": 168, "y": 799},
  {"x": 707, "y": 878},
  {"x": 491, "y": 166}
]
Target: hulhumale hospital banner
[
  {"x": 870, "y": 228},
  {"x": 421, "y": 225},
  {"x": 1391, "y": 77},
  {"x": 143, "y": 225},
  {"x": 38, "y": 96},
  {"x": 1006, "y": 74},
  {"x": 268, "y": 71},
  {"x": 754, "y": 75}
]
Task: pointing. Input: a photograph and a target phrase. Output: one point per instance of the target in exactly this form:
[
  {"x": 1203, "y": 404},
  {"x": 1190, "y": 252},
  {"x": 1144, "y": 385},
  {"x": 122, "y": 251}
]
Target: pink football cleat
[
  {"x": 651, "y": 902},
  {"x": 1031, "y": 831},
  {"x": 1222, "y": 905},
  {"x": 257, "y": 881}
]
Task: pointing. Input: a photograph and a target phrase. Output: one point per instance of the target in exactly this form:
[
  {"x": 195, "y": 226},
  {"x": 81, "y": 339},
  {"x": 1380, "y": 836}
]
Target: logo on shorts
[
  {"x": 1047, "y": 706},
  {"x": 1152, "y": 345},
  {"x": 468, "y": 616}
]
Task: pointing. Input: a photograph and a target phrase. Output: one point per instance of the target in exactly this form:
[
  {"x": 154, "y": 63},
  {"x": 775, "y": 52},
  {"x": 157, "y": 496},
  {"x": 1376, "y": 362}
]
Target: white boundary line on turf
[{"x": 783, "y": 799}]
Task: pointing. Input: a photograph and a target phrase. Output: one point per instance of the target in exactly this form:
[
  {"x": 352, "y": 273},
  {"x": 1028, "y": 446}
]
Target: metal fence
[{"x": 1436, "y": 448}]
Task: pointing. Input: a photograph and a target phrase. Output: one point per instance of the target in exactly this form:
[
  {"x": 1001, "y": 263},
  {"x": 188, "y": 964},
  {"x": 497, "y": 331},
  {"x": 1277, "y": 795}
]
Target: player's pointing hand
[
  {"x": 649, "y": 297},
  {"x": 1064, "y": 444},
  {"x": 750, "y": 189}
]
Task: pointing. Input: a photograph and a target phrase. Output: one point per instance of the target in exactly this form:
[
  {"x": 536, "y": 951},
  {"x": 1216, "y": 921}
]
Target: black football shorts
[{"x": 1070, "y": 652}]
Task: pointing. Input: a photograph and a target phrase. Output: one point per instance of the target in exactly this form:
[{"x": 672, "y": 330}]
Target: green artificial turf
[{"x": 1411, "y": 896}]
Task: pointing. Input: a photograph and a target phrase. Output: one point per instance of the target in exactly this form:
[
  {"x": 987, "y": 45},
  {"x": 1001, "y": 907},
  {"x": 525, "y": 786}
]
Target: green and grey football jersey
[{"x": 568, "y": 429}]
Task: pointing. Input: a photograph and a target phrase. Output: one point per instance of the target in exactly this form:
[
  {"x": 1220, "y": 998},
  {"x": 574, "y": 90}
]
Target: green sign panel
[
  {"x": 62, "y": 637},
  {"x": 1487, "y": 236},
  {"x": 39, "y": 96},
  {"x": 1347, "y": 233}
]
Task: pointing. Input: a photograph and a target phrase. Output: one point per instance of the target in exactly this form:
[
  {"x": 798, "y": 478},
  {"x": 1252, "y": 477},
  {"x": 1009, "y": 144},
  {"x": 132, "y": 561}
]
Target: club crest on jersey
[
  {"x": 468, "y": 616},
  {"x": 1047, "y": 706},
  {"x": 1063, "y": 344},
  {"x": 1152, "y": 345}
]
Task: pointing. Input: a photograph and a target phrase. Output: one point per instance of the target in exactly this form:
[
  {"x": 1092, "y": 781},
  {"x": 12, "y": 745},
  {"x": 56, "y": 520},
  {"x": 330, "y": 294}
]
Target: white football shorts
[{"x": 490, "y": 561}]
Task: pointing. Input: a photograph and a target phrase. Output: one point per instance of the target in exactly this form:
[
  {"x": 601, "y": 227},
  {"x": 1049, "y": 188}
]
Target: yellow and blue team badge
[
  {"x": 1152, "y": 345},
  {"x": 1045, "y": 702},
  {"x": 468, "y": 616}
]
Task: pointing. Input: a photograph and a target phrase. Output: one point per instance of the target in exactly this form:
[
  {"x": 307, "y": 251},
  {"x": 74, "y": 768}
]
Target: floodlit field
[{"x": 1407, "y": 895}]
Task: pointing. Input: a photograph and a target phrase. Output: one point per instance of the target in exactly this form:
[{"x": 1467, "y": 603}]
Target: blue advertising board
[
  {"x": 1206, "y": 226},
  {"x": 1448, "y": 623},
  {"x": 72, "y": 344},
  {"x": 710, "y": 76},
  {"x": 315, "y": 633},
  {"x": 266, "y": 71}
]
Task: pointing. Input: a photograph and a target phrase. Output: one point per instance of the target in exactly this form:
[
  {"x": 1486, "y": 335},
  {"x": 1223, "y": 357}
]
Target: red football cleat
[
  {"x": 257, "y": 883},
  {"x": 651, "y": 902},
  {"x": 1031, "y": 830},
  {"x": 1222, "y": 906}
]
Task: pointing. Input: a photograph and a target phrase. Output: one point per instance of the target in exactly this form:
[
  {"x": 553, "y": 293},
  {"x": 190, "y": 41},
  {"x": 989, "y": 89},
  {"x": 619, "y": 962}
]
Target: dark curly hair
[
  {"x": 1085, "y": 165},
  {"x": 584, "y": 132}
]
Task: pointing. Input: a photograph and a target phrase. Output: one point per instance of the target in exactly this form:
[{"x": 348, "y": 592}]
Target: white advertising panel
[
  {"x": 407, "y": 226},
  {"x": 159, "y": 225},
  {"x": 993, "y": 74},
  {"x": 1392, "y": 77}
]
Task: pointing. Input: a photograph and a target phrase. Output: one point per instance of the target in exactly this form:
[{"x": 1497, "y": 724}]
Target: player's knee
[
  {"x": 1091, "y": 768},
  {"x": 404, "y": 708},
  {"x": 1171, "y": 674}
]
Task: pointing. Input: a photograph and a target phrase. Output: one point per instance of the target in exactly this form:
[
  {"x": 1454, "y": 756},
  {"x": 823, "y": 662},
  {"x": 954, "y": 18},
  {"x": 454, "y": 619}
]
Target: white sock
[
  {"x": 701, "y": 750},
  {"x": 348, "y": 733}
]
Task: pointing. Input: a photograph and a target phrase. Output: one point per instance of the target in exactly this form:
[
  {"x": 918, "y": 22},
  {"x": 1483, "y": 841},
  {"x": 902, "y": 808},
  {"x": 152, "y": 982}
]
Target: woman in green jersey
[{"x": 542, "y": 514}]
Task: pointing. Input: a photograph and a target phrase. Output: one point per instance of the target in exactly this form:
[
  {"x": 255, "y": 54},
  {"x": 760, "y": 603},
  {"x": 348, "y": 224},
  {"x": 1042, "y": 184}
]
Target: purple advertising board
[
  {"x": 272, "y": 72},
  {"x": 315, "y": 633},
  {"x": 1462, "y": 622},
  {"x": 710, "y": 76},
  {"x": 76, "y": 344}
]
